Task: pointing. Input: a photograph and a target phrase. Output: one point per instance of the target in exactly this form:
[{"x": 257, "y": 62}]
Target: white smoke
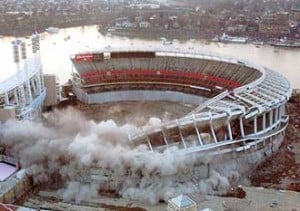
[{"x": 67, "y": 143}]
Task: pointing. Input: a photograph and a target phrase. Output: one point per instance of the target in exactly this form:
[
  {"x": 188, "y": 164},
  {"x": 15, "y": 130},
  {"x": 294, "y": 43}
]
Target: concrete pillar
[
  {"x": 242, "y": 127},
  {"x": 180, "y": 134},
  {"x": 16, "y": 97},
  {"x": 212, "y": 129},
  {"x": 276, "y": 115},
  {"x": 33, "y": 85},
  {"x": 42, "y": 80},
  {"x": 6, "y": 98},
  {"x": 149, "y": 143},
  {"x": 164, "y": 136},
  {"x": 229, "y": 130},
  {"x": 22, "y": 95},
  {"x": 39, "y": 85},
  {"x": 264, "y": 121},
  {"x": 16, "y": 52},
  {"x": 29, "y": 92},
  {"x": 280, "y": 112},
  {"x": 255, "y": 124},
  {"x": 271, "y": 118},
  {"x": 197, "y": 130},
  {"x": 283, "y": 109},
  {"x": 23, "y": 50}
]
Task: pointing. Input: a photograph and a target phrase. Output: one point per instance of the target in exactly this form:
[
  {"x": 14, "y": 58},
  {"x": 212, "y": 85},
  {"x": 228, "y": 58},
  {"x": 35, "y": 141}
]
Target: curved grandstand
[{"x": 241, "y": 106}]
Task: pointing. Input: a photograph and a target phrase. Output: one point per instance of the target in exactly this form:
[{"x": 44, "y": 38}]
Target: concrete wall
[
  {"x": 18, "y": 189},
  {"x": 51, "y": 95},
  {"x": 7, "y": 113},
  {"x": 138, "y": 95}
]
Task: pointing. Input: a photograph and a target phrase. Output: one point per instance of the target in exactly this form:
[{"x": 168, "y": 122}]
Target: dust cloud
[{"x": 90, "y": 156}]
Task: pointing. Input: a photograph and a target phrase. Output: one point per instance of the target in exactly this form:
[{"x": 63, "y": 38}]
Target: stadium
[
  {"x": 241, "y": 106},
  {"x": 239, "y": 119},
  {"x": 23, "y": 94}
]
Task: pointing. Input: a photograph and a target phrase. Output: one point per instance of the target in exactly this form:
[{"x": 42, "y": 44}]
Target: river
[{"x": 57, "y": 48}]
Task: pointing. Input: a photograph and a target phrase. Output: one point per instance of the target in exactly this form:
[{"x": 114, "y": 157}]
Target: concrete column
[
  {"x": 180, "y": 134},
  {"x": 164, "y": 136},
  {"x": 229, "y": 130},
  {"x": 22, "y": 95},
  {"x": 255, "y": 124},
  {"x": 280, "y": 112},
  {"x": 29, "y": 92},
  {"x": 283, "y": 109},
  {"x": 42, "y": 80},
  {"x": 6, "y": 98},
  {"x": 149, "y": 143},
  {"x": 242, "y": 127},
  {"x": 197, "y": 130},
  {"x": 32, "y": 83},
  {"x": 264, "y": 121},
  {"x": 271, "y": 118},
  {"x": 16, "y": 97},
  {"x": 212, "y": 129},
  {"x": 276, "y": 114},
  {"x": 39, "y": 85}
]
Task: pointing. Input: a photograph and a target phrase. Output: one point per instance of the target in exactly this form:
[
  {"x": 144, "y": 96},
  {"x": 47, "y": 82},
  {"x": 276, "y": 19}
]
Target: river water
[{"x": 57, "y": 48}]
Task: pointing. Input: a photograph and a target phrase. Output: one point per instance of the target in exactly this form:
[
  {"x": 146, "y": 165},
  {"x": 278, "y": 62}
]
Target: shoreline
[
  {"x": 143, "y": 33},
  {"x": 155, "y": 33}
]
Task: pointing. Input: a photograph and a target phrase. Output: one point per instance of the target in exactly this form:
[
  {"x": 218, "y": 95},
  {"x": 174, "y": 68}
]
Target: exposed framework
[{"x": 246, "y": 105}]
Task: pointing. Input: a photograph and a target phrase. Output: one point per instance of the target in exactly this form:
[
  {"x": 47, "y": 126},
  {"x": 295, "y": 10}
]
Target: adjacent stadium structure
[
  {"x": 240, "y": 105},
  {"x": 22, "y": 95}
]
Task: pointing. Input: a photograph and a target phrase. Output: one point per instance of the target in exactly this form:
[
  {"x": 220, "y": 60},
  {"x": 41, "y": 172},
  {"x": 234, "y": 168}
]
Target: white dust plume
[{"x": 78, "y": 149}]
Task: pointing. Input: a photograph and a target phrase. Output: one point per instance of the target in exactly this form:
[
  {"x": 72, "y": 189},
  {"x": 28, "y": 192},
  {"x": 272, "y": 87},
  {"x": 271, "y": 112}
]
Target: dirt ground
[
  {"x": 137, "y": 113},
  {"x": 282, "y": 169}
]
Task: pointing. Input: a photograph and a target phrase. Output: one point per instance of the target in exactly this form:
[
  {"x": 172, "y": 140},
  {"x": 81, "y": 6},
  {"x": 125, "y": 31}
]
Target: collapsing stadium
[
  {"x": 239, "y": 120},
  {"x": 240, "y": 105}
]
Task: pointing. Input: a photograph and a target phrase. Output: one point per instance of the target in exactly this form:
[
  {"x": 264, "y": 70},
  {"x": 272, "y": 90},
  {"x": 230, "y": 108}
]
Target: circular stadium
[
  {"x": 240, "y": 105},
  {"x": 239, "y": 120}
]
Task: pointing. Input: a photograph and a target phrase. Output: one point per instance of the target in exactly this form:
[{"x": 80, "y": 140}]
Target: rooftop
[{"x": 182, "y": 201}]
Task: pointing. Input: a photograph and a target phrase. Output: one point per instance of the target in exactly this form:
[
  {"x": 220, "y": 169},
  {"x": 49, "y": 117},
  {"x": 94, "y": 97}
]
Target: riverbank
[
  {"x": 156, "y": 33},
  {"x": 29, "y": 25},
  {"x": 183, "y": 35}
]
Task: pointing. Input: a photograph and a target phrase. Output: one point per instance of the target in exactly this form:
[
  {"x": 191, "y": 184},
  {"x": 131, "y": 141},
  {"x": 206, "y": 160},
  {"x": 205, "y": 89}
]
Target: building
[
  {"x": 296, "y": 12},
  {"x": 274, "y": 24},
  {"x": 123, "y": 22},
  {"x": 53, "y": 90},
  {"x": 181, "y": 203},
  {"x": 236, "y": 30},
  {"x": 22, "y": 95},
  {"x": 241, "y": 106},
  {"x": 144, "y": 24}
]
